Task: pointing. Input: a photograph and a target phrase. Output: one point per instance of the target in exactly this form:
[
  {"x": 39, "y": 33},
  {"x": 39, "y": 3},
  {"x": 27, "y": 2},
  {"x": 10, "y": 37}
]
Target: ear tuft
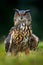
[
  {"x": 16, "y": 10},
  {"x": 27, "y": 11}
]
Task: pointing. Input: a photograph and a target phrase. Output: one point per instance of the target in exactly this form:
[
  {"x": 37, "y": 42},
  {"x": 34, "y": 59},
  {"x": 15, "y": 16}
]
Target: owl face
[{"x": 22, "y": 16}]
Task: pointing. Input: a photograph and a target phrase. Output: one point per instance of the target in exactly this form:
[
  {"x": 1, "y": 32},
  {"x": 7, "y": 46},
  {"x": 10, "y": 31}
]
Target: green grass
[{"x": 33, "y": 58}]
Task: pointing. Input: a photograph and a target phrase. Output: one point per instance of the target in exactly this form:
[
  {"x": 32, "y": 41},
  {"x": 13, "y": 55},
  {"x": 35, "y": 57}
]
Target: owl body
[{"x": 20, "y": 36}]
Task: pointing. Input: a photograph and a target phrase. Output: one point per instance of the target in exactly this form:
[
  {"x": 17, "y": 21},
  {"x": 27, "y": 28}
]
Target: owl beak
[{"x": 21, "y": 17}]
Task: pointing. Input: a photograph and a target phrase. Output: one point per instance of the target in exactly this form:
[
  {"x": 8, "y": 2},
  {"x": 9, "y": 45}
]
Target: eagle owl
[{"x": 20, "y": 37}]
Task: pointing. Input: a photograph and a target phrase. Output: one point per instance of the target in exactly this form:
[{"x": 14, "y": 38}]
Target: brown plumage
[{"x": 20, "y": 37}]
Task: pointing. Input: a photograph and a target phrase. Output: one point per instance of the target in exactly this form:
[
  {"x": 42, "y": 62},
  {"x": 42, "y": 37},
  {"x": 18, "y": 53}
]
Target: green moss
[{"x": 33, "y": 58}]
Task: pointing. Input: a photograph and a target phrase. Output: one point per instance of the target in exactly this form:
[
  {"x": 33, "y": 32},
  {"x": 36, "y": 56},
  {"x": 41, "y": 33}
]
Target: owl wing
[{"x": 8, "y": 40}]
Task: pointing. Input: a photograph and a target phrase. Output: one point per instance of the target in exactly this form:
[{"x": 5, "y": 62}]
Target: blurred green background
[{"x": 7, "y": 12}]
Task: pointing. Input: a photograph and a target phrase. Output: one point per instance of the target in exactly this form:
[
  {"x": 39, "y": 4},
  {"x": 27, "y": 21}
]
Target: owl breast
[
  {"x": 21, "y": 33},
  {"x": 20, "y": 37}
]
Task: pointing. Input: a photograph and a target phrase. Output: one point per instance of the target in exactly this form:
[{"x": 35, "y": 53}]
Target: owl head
[{"x": 22, "y": 16}]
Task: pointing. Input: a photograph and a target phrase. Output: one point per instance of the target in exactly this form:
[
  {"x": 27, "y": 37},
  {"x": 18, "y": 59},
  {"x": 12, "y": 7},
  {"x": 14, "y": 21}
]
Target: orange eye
[
  {"x": 18, "y": 14},
  {"x": 24, "y": 14}
]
